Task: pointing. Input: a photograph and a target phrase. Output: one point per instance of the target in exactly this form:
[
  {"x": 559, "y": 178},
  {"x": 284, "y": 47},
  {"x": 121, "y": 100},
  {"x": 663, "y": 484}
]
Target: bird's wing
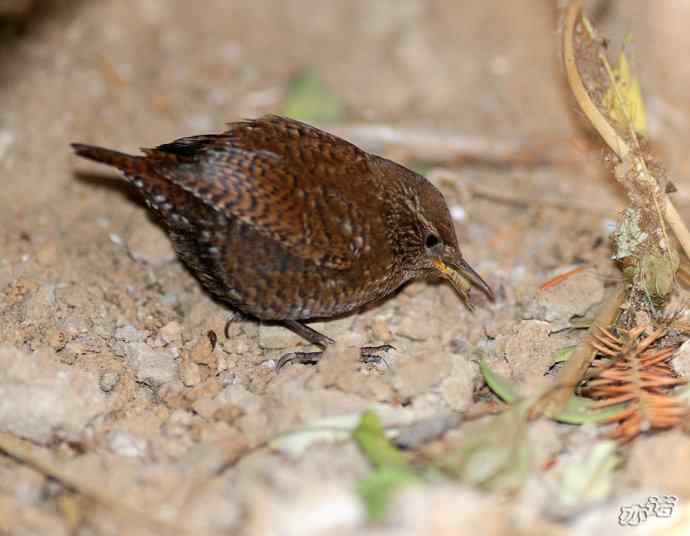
[{"x": 291, "y": 182}]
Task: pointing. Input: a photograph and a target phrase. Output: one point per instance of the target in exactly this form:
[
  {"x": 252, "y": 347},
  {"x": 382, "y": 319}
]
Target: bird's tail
[{"x": 128, "y": 163}]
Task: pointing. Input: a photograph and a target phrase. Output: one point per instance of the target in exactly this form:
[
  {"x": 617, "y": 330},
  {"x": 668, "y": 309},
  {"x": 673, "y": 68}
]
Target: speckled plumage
[{"x": 286, "y": 222}]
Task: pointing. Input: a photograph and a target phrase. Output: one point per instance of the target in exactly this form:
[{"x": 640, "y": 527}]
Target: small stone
[
  {"x": 171, "y": 332},
  {"x": 109, "y": 380},
  {"x": 152, "y": 367},
  {"x": 190, "y": 372},
  {"x": 202, "y": 353}
]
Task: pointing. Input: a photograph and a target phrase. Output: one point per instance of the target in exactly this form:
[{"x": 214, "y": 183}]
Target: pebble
[
  {"x": 152, "y": 367},
  {"x": 109, "y": 380},
  {"x": 190, "y": 372},
  {"x": 171, "y": 332}
]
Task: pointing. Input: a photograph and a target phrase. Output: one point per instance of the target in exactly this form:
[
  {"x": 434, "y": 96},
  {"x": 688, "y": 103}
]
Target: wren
[{"x": 287, "y": 223}]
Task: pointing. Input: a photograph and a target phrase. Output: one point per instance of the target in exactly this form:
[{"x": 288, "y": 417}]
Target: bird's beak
[{"x": 462, "y": 276}]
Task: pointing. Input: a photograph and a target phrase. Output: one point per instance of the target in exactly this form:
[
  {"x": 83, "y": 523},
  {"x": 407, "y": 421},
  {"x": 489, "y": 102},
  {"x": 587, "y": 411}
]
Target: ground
[{"x": 106, "y": 364}]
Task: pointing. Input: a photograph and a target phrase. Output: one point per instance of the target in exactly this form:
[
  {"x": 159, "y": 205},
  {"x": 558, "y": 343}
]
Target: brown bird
[{"x": 288, "y": 223}]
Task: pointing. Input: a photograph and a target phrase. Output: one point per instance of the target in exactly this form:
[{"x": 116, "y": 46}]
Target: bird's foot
[
  {"x": 369, "y": 355},
  {"x": 303, "y": 358},
  {"x": 372, "y": 354}
]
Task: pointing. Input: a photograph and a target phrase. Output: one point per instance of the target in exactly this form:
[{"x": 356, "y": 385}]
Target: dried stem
[
  {"x": 572, "y": 373},
  {"x": 617, "y": 144}
]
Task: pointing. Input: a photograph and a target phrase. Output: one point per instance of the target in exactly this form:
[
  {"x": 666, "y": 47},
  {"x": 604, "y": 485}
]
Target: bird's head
[{"x": 429, "y": 239}]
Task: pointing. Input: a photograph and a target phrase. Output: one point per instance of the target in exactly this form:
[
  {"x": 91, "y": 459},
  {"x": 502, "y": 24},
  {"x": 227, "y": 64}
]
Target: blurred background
[{"x": 138, "y": 72}]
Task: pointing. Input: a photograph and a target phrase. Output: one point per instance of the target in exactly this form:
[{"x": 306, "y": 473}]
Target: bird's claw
[{"x": 369, "y": 355}]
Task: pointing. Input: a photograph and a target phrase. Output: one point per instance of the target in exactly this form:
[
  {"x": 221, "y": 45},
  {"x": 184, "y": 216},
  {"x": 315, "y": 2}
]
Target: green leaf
[
  {"x": 497, "y": 383},
  {"x": 371, "y": 438},
  {"x": 376, "y": 489},
  {"x": 392, "y": 469},
  {"x": 659, "y": 272},
  {"x": 578, "y": 410},
  {"x": 623, "y": 100},
  {"x": 309, "y": 100}
]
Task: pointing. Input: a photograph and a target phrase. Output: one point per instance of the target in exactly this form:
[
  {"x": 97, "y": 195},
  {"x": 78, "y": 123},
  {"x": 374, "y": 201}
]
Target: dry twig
[{"x": 624, "y": 149}]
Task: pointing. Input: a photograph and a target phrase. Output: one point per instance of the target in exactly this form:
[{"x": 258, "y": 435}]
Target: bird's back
[{"x": 278, "y": 218}]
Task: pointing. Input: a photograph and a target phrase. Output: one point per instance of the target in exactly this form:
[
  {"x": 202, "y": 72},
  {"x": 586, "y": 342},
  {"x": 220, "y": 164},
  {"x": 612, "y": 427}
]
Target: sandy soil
[{"x": 106, "y": 366}]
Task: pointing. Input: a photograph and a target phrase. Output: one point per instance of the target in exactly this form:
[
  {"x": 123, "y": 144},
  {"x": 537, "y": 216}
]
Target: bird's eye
[{"x": 431, "y": 240}]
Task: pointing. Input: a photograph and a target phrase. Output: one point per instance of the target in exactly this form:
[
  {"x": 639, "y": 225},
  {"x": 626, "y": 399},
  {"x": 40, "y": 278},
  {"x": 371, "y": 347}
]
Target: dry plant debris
[
  {"x": 638, "y": 373},
  {"x": 611, "y": 99}
]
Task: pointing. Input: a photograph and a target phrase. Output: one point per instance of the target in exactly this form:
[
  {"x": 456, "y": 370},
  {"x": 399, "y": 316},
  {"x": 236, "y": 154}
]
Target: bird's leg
[
  {"x": 313, "y": 336},
  {"x": 370, "y": 354}
]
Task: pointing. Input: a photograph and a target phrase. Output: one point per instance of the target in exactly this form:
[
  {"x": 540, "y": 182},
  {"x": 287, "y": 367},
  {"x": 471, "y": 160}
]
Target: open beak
[{"x": 462, "y": 276}]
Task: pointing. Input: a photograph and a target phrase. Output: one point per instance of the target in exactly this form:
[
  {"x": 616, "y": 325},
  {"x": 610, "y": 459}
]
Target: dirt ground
[{"x": 106, "y": 367}]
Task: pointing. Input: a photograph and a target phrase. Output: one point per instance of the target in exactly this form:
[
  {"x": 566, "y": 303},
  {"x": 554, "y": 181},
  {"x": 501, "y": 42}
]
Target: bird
[{"x": 287, "y": 223}]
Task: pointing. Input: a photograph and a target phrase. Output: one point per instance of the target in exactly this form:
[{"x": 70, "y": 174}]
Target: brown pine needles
[{"x": 636, "y": 369}]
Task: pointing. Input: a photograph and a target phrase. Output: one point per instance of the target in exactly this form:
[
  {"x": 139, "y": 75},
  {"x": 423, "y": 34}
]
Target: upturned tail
[{"x": 128, "y": 163}]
